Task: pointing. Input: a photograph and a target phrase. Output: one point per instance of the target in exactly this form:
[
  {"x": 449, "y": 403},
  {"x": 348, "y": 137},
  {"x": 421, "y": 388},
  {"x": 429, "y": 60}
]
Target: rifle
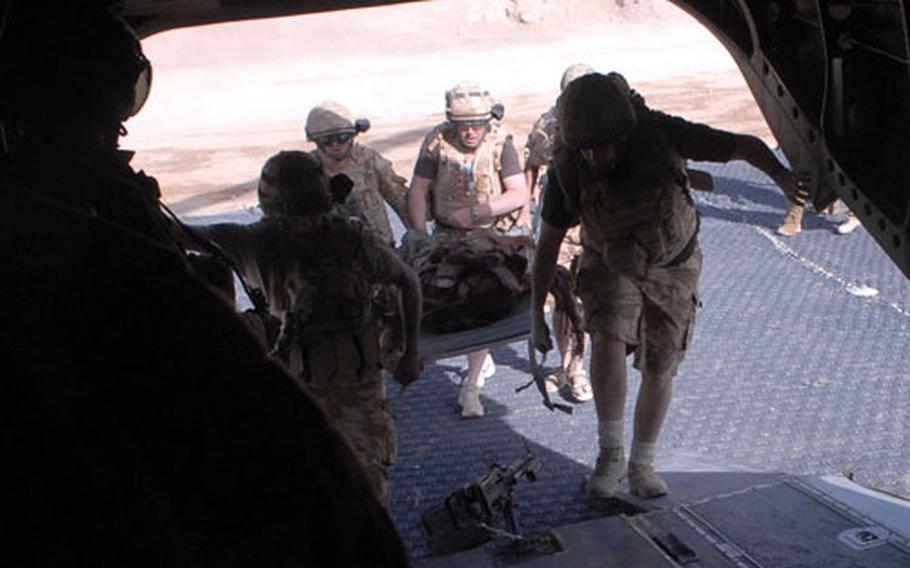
[
  {"x": 537, "y": 378},
  {"x": 474, "y": 514},
  {"x": 295, "y": 321},
  {"x": 298, "y": 326}
]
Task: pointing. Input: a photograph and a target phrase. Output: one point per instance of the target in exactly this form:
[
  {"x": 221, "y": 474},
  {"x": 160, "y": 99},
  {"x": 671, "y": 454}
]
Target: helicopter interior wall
[{"x": 833, "y": 81}]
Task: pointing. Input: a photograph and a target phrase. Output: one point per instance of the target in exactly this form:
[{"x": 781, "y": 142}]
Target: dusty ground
[{"x": 226, "y": 97}]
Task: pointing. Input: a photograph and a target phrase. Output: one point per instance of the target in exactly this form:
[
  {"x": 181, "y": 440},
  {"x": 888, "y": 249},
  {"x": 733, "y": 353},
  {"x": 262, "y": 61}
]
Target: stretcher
[{"x": 516, "y": 326}]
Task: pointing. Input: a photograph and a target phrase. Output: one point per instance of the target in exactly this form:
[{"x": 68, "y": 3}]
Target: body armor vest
[
  {"x": 465, "y": 179},
  {"x": 647, "y": 219},
  {"x": 650, "y": 227},
  {"x": 365, "y": 201}
]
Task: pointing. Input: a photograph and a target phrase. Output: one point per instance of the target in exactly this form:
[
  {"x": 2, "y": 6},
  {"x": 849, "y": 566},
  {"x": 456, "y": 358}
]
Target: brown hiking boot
[
  {"x": 793, "y": 221},
  {"x": 644, "y": 483},
  {"x": 609, "y": 471}
]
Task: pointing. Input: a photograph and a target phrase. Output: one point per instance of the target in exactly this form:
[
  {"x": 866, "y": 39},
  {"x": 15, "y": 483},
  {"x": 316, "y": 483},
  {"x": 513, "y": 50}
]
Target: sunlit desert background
[{"x": 226, "y": 97}]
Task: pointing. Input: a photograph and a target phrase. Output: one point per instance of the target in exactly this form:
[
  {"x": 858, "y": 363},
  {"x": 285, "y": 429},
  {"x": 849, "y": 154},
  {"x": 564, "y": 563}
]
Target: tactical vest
[
  {"x": 648, "y": 219},
  {"x": 466, "y": 179},
  {"x": 365, "y": 201},
  {"x": 539, "y": 146},
  {"x": 320, "y": 293}
]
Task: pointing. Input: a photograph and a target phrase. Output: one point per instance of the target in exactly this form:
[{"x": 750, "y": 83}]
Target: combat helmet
[
  {"x": 329, "y": 118},
  {"x": 62, "y": 71},
  {"x": 573, "y": 72},
  {"x": 292, "y": 183},
  {"x": 469, "y": 102},
  {"x": 596, "y": 109}
]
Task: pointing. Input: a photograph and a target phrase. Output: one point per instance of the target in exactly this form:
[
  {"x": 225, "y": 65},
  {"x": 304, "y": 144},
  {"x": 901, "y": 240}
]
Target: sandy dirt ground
[{"x": 226, "y": 97}]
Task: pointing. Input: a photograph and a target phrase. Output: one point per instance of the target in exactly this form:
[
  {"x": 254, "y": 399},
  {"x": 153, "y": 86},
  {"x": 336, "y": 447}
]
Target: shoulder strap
[{"x": 256, "y": 295}]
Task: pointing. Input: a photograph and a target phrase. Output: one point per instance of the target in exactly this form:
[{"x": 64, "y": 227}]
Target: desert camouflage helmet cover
[
  {"x": 468, "y": 102},
  {"x": 293, "y": 183},
  {"x": 331, "y": 118},
  {"x": 573, "y": 72},
  {"x": 596, "y": 109}
]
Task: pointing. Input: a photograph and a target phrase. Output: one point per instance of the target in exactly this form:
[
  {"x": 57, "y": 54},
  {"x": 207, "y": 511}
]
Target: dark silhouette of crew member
[{"x": 143, "y": 424}]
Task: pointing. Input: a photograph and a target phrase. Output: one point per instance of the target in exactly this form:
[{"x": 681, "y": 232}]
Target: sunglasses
[
  {"x": 472, "y": 124},
  {"x": 336, "y": 139}
]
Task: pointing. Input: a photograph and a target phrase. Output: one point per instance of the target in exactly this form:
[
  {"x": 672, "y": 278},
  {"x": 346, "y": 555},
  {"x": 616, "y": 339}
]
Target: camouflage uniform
[
  {"x": 337, "y": 264},
  {"x": 375, "y": 184},
  {"x": 538, "y": 152},
  {"x": 655, "y": 312},
  {"x": 463, "y": 165},
  {"x": 639, "y": 269},
  {"x": 619, "y": 171},
  {"x": 375, "y": 181},
  {"x": 190, "y": 442},
  {"x": 538, "y": 148},
  {"x": 472, "y": 281}
]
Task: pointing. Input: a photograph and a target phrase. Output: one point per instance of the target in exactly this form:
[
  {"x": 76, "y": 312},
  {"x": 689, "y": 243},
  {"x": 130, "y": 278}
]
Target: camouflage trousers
[
  {"x": 387, "y": 305},
  {"x": 653, "y": 315},
  {"x": 563, "y": 328},
  {"x": 360, "y": 411},
  {"x": 570, "y": 248},
  {"x": 344, "y": 374}
]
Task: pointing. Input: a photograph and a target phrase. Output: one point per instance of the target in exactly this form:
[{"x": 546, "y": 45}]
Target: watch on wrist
[{"x": 472, "y": 214}]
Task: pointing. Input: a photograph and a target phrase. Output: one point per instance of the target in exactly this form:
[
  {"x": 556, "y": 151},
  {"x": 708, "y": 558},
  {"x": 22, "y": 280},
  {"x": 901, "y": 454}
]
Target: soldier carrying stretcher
[{"x": 468, "y": 177}]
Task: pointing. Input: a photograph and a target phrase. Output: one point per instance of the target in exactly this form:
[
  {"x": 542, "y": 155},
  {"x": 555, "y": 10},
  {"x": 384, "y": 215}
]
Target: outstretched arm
[
  {"x": 754, "y": 151},
  {"x": 233, "y": 239}
]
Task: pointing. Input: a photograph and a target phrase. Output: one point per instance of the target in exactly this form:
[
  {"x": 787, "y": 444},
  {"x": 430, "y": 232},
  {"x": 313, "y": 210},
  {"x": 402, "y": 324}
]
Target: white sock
[
  {"x": 642, "y": 452},
  {"x": 609, "y": 433}
]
